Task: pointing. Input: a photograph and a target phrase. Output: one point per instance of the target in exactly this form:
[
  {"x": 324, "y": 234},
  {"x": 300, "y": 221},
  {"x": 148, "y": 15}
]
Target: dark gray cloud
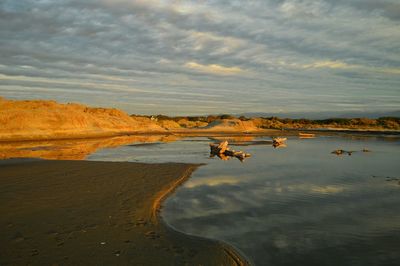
[
  {"x": 389, "y": 9},
  {"x": 285, "y": 56}
]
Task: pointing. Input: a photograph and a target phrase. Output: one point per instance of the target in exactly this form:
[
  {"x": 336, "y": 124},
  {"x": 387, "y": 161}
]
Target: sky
[{"x": 204, "y": 57}]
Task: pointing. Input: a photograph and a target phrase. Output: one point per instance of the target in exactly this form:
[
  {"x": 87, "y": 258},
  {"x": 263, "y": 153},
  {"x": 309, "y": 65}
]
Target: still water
[{"x": 299, "y": 205}]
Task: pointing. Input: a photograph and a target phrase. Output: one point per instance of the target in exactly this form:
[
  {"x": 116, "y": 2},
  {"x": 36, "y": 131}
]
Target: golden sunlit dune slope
[
  {"x": 233, "y": 125},
  {"x": 40, "y": 119}
]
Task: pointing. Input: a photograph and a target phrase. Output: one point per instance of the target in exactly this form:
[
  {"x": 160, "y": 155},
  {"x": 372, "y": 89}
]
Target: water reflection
[
  {"x": 296, "y": 206},
  {"x": 300, "y": 205},
  {"x": 279, "y": 145},
  {"x": 77, "y": 149},
  {"x": 80, "y": 149}
]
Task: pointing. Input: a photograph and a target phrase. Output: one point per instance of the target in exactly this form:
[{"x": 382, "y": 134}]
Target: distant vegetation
[
  {"x": 207, "y": 119},
  {"x": 348, "y": 123},
  {"x": 273, "y": 122}
]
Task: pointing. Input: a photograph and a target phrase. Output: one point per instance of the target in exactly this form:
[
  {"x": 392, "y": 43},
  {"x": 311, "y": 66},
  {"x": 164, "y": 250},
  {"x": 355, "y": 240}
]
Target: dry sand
[
  {"x": 23, "y": 120},
  {"x": 96, "y": 213},
  {"x": 40, "y": 119}
]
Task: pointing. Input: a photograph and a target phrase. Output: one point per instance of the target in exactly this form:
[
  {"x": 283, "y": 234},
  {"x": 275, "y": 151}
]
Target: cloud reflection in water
[{"x": 300, "y": 205}]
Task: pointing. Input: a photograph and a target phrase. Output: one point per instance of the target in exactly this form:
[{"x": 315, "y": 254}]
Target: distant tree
[
  {"x": 389, "y": 118},
  {"x": 211, "y": 118},
  {"x": 389, "y": 122},
  {"x": 243, "y": 118},
  {"x": 162, "y": 117},
  {"x": 286, "y": 120},
  {"x": 304, "y": 121},
  {"x": 338, "y": 121},
  {"x": 225, "y": 116}
]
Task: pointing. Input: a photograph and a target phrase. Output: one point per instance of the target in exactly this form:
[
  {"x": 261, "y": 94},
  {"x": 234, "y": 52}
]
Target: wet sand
[{"x": 96, "y": 213}]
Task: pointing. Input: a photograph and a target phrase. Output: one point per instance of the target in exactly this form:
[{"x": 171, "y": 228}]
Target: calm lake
[{"x": 298, "y": 205}]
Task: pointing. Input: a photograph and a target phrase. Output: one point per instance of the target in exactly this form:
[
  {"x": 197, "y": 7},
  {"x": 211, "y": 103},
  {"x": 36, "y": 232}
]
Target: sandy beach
[
  {"x": 96, "y": 213},
  {"x": 261, "y": 132}
]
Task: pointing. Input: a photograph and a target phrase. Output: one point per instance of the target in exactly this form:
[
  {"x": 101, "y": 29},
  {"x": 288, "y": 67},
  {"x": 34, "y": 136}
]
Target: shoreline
[
  {"x": 81, "y": 212},
  {"x": 237, "y": 257},
  {"x": 197, "y": 132},
  {"x": 81, "y": 148}
]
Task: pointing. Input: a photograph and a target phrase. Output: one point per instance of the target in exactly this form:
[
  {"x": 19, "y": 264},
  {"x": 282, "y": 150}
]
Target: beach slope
[{"x": 96, "y": 213}]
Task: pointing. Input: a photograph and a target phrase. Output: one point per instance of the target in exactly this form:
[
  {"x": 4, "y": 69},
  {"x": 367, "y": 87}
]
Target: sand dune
[
  {"x": 232, "y": 125},
  {"x": 39, "y": 119},
  {"x": 43, "y": 120}
]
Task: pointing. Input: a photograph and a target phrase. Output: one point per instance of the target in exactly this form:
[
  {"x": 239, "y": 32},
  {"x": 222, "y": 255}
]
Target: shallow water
[{"x": 299, "y": 205}]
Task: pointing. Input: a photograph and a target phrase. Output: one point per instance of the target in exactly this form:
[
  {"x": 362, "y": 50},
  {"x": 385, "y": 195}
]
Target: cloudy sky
[{"x": 201, "y": 57}]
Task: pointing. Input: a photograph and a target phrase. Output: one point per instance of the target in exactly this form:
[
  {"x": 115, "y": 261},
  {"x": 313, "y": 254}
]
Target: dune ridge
[
  {"x": 23, "y": 120},
  {"x": 45, "y": 119}
]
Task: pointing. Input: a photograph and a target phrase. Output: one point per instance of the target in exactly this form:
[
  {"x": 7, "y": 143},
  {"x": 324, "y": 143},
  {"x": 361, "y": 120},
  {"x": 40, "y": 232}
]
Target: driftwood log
[
  {"x": 222, "y": 150},
  {"x": 341, "y": 152},
  {"x": 278, "y": 142}
]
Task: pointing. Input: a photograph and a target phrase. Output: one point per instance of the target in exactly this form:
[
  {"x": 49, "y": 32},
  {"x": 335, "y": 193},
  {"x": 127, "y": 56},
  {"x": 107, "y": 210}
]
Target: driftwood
[
  {"x": 276, "y": 142},
  {"x": 342, "y": 152},
  {"x": 306, "y": 135},
  {"x": 219, "y": 148},
  {"x": 279, "y": 140},
  {"x": 222, "y": 150}
]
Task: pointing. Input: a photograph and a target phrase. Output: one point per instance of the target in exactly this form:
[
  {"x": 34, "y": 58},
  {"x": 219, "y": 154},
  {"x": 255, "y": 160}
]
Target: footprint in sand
[
  {"x": 34, "y": 252},
  {"x": 18, "y": 237},
  {"x": 152, "y": 235},
  {"x": 140, "y": 222}
]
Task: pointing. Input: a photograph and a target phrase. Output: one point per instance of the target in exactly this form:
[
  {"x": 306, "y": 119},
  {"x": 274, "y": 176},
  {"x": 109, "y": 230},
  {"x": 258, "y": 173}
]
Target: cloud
[
  {"x": 274, "y": 49},
  {"x": 342, "y": 65},
  {"x": 309, "y": 9},
  {"x": 394, "y": 71},
  {"x": 218, "y": 45},
  {"x": 214, "y": 68},
  {"x": 389, "y": 9},
  {"x": 329, "y": 64}
]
